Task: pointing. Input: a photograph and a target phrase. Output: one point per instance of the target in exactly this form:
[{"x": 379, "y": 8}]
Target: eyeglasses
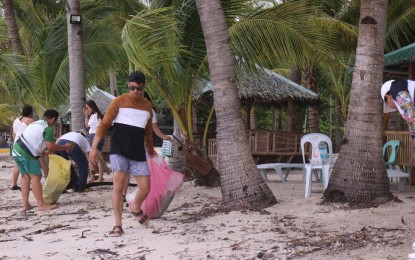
[{"x": 139, "y": 88}]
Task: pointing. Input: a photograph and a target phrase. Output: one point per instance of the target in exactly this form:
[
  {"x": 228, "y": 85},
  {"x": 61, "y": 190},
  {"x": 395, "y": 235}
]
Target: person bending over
[
  {"x": 77, "y": 154},
  {"x": 26, "y": 151}
]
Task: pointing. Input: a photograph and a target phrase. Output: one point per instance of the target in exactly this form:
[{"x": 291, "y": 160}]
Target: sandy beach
[{"x": 194, "y": 227}]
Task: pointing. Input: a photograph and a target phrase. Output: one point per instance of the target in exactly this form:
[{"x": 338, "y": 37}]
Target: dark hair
[
  {"x": 91, "y": 103},
  {"x": 27, "y": 110},
  {"x": 137, "y": 76},
  {"x": 51, "y": 113}
]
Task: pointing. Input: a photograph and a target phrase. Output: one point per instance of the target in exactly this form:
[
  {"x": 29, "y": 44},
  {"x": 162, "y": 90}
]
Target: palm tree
[
  {"x": 242, "y": 186},
  {"x": 76, "y": 65},
  {"x": 178, "y": 59},
  {"x": 47, "y": 65},
  {"x": 359, "y": 174},
  {"x": 13, "y": 30}
]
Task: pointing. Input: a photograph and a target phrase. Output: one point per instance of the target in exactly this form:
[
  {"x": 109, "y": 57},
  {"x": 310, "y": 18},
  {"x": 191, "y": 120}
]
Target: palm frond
[
  {"x": 277, "y": 36},
  {"x": 401, "y": 24},
  {"x": 6, "y": 114}
]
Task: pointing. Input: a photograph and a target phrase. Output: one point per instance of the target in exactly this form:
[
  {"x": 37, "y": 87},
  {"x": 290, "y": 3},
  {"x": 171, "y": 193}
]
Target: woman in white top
[
  {"x": 19, "y": 125},
  {"x": 93, "y": 118}
]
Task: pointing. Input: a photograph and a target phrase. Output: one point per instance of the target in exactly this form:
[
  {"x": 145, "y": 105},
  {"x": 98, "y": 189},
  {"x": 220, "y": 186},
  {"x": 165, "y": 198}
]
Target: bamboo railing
[{"x": 284, "y": 146}]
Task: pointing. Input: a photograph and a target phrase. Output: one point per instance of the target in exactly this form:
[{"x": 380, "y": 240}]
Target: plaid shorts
[{"x": 121, "y": 164}]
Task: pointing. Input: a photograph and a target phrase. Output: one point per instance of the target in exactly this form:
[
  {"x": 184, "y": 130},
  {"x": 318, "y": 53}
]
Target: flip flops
[{"x": 116, "y": 231}]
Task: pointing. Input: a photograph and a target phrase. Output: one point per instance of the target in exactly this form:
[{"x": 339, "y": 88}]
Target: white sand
[{"x": 193, "y": 228}]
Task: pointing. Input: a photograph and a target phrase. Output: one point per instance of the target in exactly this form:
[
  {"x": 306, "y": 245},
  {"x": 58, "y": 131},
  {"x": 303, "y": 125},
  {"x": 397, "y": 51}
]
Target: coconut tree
[
  {"x": 12, "y": 28},
  {"x": 45, "y": 35},
  {"x": 76, "y": 64},
  {"x": 359, "y": 174},
  {"x": 252, "y": 34},
  {"x": 251, "y": 191}
]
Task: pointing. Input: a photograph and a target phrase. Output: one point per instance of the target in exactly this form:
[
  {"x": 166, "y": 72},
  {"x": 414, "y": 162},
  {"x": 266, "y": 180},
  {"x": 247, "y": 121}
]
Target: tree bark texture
[
  {"x": 76, "y": 67},
  {"x": 12, "y": 29},
  {"x": 293, "y": 112},
  {"x": 359, "y": 174},
  {"x": 113, "y": 82},
  {"x": 242, "y": 186},
  {"x": 337, "y": 123},
  {"x": 313, "y": 111}
]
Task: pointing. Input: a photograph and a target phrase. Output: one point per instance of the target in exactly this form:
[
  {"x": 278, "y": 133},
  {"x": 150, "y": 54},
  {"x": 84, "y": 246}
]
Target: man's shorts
[
  {"x": 121, "y": 164},
  {"x": 28, "y": 166}
]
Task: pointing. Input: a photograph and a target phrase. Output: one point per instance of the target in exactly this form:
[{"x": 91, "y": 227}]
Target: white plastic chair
[{"x": 315, "y": 162}]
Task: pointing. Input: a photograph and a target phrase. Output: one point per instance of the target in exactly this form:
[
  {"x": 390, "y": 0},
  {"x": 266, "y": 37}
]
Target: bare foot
[
  {"x": 26, "y": 208},
  {"x": 101, "y": 180},
  {"x": 91, "y": 180},
  {"x": 47, "y": 207}
]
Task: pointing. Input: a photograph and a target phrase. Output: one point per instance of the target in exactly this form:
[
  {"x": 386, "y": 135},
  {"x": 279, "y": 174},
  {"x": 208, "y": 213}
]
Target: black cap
[{"x": 137, "y": 76}]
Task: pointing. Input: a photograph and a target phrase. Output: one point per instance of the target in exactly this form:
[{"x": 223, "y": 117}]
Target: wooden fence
[{"x": 278, "y": 145}]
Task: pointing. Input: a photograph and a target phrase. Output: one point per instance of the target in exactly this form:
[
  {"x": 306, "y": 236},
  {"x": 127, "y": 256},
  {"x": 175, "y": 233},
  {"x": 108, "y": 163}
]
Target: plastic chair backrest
[
  {"x": 394, "y": 144},
  {"x": 314, "y": 139}
]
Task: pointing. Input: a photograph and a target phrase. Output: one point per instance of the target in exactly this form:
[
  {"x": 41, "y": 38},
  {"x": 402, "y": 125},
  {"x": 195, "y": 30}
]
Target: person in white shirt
[
  {"x": 19, "y": 125},
  {"x": 78, "y": 154},
  {"x": 93, "y": 118}
]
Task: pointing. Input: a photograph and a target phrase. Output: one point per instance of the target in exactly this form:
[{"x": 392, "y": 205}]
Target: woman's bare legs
[
  {"x": 91, "y": 173},
  {"x": 25, "y": 189},
  {"x": 100, "y": 167},
  {"x": 15, "y": 176}
]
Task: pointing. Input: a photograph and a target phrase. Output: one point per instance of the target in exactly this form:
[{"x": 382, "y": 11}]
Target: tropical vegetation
[{"x": 167, "y": 40}]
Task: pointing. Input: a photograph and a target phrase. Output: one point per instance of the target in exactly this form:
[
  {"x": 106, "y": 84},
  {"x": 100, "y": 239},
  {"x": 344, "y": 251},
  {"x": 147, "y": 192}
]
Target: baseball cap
[
  {"x": 385, "y": 89},
  {"x": 137, "y": 76}
]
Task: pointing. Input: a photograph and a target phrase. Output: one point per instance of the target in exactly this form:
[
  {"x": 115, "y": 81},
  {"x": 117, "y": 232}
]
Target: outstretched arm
[{"x": 159, "y": 133}]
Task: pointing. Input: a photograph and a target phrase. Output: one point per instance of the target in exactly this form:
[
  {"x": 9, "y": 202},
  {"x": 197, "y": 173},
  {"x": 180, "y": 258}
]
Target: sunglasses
[{"x": 132, "y": 88}]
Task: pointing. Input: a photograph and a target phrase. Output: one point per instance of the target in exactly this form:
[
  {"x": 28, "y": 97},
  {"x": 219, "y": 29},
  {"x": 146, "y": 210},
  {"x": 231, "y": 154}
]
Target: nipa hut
[{"x": 270, "y": 88}]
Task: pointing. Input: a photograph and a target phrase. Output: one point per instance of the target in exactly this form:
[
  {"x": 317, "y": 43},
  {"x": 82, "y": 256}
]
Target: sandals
[
  {"x": 15, "y": 187},
  {"x": 117, "y": 231},
  {"x": 144, "y": 220}
]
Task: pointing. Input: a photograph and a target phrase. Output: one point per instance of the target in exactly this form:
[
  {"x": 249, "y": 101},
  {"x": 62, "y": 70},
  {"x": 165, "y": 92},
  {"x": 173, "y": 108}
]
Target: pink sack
[{"x": 164, "y": 182}]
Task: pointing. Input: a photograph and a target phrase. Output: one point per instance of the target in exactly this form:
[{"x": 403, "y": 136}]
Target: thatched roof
[
  {"x": 267, "y": 86},
  {"x": 101, "y": 98},
  {"x": 270, "y": 86}
]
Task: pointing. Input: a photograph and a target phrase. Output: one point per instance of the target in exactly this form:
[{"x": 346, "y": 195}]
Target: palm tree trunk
[
  {"x": 242, "y": 186},
  {"x": 337, "y": 124},
  {"x": 294, "y": 122},
  {"x": 359, "y": 174},
  {"x": 76, "y": 67},
  {"x": 12, "y": 29},
  {"x": 178, "y": 162},
  {"x": 113, "y": 82},
  {"x": 313, "y": 112}
]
